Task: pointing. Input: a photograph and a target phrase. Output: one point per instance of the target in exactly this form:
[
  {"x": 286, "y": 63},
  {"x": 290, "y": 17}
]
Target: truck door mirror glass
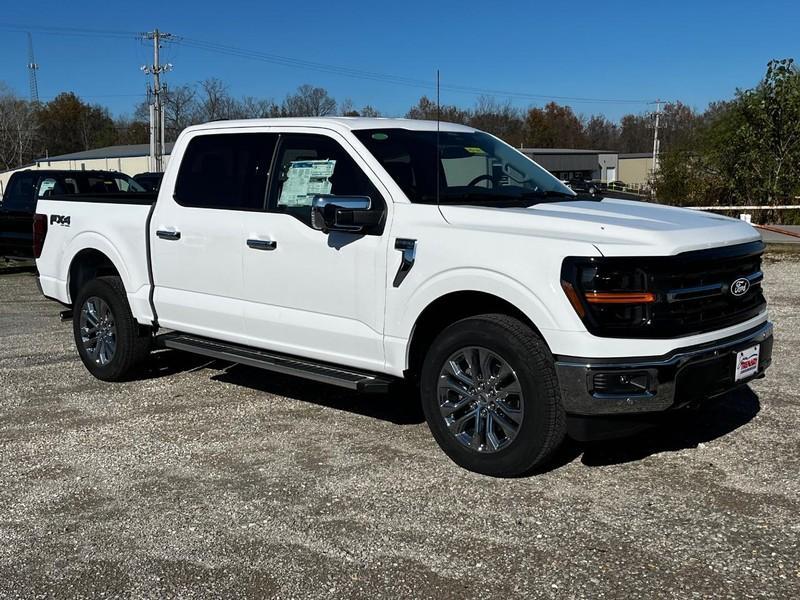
[{"x": 343, "y": 213}]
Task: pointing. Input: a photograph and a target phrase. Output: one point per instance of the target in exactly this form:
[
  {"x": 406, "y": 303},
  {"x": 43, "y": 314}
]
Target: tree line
[
  {"x": 742, "y": 150},
  {"x": 68, "y": 124}
]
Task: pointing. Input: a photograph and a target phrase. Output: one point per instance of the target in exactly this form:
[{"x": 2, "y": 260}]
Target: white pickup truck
[{"x": 360, "y": 252}]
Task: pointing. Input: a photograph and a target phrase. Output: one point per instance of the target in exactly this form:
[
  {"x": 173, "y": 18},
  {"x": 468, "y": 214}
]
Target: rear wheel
[
  {"x": 110, "y": 342},
  {"x": 490, "y": 396}
]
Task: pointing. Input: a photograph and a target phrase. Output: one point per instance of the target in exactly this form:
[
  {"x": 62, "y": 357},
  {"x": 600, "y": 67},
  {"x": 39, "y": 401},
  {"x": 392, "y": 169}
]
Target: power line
[
  {"x": 298, "y": 63},
  {"x": 68, "y": 31},
  {"x": 382, "y": 77}
]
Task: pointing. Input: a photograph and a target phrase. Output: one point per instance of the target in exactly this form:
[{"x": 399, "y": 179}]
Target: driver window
[{"x": 308, "y": 165}]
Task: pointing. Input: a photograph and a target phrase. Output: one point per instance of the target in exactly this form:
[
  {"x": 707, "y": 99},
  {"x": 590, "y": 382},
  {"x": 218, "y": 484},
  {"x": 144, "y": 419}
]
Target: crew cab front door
[{"x": 309, "y": 293}]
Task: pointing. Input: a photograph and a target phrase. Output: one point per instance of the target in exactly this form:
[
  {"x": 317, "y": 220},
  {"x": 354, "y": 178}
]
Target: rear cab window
[{"x": 225, "y": 171}]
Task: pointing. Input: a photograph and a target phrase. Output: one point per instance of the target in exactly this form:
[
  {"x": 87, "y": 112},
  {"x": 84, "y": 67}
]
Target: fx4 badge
[{"x": 60, "y": 220}]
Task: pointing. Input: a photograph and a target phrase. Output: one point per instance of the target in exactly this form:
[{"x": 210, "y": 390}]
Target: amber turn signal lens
[
  {"x": 620, "y": 297},
  {"x": 573, "y": 298}
]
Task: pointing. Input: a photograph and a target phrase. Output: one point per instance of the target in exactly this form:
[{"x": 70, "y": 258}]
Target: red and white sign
[{"x": 747, "y": 362}]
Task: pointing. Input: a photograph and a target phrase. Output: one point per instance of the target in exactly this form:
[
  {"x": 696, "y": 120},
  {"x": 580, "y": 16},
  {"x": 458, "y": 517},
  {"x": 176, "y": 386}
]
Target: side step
[{"x": 360, "y": 381}]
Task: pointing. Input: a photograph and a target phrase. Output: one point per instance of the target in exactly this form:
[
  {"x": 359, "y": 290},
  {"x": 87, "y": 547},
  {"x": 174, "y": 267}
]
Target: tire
[
  {"x": 110, "y": 342},
  {"x": 526, "y": 427}
]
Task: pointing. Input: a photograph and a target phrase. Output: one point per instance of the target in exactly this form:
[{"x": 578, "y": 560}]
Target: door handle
[
  {"x": 262, "y": 244},
  {"x": 168, "y": 235}
]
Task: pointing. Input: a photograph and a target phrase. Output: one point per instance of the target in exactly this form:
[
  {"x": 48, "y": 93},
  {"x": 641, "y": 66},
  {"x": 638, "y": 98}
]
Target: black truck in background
[{"x": 26, "y": 187}]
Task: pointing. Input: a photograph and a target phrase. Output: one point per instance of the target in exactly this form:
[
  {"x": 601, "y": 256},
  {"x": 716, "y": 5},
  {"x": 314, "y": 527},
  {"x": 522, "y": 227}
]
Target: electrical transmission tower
[
  {"x": 159, "y": 90},
  {"x": 32, "y": 68}
]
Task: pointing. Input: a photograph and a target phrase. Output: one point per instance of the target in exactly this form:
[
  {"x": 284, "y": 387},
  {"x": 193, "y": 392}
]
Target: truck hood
[{"x": 616, "y": 227}]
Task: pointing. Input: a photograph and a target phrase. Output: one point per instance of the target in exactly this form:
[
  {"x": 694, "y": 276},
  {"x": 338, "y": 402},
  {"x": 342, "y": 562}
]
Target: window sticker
[
  {"x": 46, "y": 186},
  {"x": 306, "y": 179},
  {"x": 475, "y": 150}
]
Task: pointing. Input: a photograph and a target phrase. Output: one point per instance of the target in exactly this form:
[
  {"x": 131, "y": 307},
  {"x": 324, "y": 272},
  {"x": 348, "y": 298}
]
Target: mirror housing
[{"x": 343, "y": 213}]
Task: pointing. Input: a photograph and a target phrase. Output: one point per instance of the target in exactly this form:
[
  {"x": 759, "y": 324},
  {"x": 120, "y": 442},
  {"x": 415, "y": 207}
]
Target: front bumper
[{"x": 662, "y": 383}]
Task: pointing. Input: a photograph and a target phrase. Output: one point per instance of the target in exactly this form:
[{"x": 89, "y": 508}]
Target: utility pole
[
  {"x": 656, "y": 141},
  {"x": 32, "y": 68},
  {"x": 157, "y": 133}
]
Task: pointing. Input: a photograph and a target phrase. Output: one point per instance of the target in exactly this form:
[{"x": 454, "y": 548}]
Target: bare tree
[
  {"x": 309, "y": 101},
  {"x": 348, "y": 109},
  {"x": 181, "y": 109},
  {"x": 370, "y": 111},
  {"x": 215, "y": 102},
  {"x": 426, "y": 109},
  {"x": 500, "y": 119},
  {"x": 17, "y": 129},
  {"x": 255, "y": 108}
]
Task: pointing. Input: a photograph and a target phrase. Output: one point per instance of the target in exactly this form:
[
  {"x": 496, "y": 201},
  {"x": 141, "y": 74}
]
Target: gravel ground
[{"x": 210, "y": 480}]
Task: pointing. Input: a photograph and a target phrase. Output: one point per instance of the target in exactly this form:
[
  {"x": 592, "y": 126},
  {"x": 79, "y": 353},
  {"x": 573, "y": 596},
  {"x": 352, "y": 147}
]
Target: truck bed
[{"x": 114, "y": 224}]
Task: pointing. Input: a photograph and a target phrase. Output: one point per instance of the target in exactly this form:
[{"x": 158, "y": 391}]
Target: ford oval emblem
[{"x": 740, "y": 287}]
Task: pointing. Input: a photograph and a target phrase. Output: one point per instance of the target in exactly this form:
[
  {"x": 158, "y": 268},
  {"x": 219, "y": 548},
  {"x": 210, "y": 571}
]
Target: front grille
[{"x": 693, "y": 291}]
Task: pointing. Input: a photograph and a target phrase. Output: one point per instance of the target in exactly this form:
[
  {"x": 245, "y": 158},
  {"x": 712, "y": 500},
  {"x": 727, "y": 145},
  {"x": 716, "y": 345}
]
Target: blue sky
[{"x": 695, "y": 52}]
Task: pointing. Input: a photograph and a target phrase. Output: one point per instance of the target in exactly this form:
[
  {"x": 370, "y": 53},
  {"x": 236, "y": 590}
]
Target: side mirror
[{"x": 343, "y": 213}]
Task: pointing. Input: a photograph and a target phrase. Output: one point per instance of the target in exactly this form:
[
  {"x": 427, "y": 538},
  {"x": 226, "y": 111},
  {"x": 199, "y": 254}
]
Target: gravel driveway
[{"x": 211, "y": 480}]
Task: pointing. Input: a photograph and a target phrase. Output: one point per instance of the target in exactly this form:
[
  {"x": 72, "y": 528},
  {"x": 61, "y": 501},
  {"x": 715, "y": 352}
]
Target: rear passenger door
[
  {"x": 197, "y": 234},
  {"x": 309, "y": 293}
]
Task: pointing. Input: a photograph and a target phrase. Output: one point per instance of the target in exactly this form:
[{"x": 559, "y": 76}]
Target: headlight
[{"x": 607, "y": 294}]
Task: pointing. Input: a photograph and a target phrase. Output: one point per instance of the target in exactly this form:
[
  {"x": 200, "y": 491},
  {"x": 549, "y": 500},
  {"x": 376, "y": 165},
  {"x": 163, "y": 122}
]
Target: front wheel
[
  {"x": 110, "y": 342},
  {"x": 490, "y": 396}
]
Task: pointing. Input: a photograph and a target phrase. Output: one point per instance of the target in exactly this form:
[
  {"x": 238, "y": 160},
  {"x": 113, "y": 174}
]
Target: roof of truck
[{"x": 346, "y": 123}]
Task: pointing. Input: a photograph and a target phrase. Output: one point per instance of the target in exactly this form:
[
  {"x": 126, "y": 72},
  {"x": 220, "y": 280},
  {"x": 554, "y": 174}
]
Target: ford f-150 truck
[{"x": 360, "y": 252}]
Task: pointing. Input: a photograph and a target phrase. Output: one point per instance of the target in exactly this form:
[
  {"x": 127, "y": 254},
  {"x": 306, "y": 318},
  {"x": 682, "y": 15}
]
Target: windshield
[{"x": 474, "y": 167}]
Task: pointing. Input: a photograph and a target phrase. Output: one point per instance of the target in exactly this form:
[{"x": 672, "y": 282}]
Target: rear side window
[
  {"x": 227, "y": 171},
  {"x": 20, "y": 192}
]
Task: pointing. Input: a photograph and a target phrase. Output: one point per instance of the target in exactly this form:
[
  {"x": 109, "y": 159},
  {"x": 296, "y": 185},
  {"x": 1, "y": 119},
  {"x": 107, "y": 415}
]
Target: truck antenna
[{"x": 438, "y": 150}]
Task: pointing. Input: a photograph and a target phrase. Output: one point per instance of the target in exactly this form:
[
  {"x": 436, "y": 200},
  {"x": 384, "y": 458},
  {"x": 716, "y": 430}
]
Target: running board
[{"x": 360, "y": 381}]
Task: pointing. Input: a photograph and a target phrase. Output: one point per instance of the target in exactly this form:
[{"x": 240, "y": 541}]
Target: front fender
[
  {"x": 466, "y": 279},
  {"x": 474, "y": 279}
]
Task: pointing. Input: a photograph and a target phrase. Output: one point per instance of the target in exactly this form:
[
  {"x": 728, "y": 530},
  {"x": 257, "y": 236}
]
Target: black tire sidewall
[
  {"x": 125, "y": 356},
  {"x": 532, "y": 438}
]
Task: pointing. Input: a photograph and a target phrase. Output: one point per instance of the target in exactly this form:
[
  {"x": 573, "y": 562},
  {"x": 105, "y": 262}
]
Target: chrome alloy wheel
[
  {"x": 98, "y": 331},
  {"x": 480, "y": 398}
]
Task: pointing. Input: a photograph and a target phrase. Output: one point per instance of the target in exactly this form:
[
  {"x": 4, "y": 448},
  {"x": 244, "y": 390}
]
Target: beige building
[
  {"x": 635, "y": 169},
  {"x": 130, "y": 159}
]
